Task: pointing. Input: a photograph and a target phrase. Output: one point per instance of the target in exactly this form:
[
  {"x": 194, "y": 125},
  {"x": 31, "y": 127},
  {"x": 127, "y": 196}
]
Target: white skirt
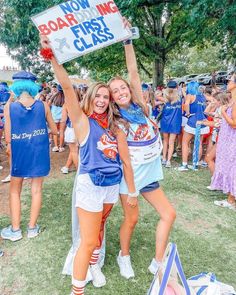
[{"x": 191, "y": 130}]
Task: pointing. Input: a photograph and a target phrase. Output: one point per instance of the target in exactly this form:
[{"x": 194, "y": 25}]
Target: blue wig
[
  {"x": 20, "y": 86},
  {"x": 192, "y": 88}
]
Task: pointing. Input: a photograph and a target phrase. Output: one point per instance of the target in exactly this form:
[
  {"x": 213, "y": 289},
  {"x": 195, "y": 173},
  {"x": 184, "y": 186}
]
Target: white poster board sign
[{"x": 78, "y": 27}]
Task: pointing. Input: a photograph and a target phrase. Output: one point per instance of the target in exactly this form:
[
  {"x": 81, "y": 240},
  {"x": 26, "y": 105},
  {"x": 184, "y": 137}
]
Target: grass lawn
[{"x": 204, "y": 233}]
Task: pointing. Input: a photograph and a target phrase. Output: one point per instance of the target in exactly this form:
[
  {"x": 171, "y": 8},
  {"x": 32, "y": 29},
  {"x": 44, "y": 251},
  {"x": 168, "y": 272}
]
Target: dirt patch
[{"x": 58, "y": 160}]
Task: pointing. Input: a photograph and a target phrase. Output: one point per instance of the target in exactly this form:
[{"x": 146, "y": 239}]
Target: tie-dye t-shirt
[{"x": 144, "y": 174}]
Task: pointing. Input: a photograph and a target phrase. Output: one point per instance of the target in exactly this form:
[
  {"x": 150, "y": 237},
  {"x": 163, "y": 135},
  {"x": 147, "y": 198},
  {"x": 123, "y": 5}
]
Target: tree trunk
[{"x": 158, "y": 72}]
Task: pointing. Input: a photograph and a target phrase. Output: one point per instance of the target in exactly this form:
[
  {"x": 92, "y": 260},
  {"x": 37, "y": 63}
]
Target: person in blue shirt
[
  {"x": 195, "y": 105},
  {"x": 26, "y": 132},
  {"x": 171, "y": 121},
  {"x": 102, "y": 148}
]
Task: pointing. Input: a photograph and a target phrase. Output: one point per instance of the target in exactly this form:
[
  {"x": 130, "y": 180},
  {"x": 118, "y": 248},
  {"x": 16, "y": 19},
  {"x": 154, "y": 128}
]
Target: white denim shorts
[
  {"x": 91, "y": 197},
  {"x": 191, "y": 130},
  {"x": 70, "y": 135}
]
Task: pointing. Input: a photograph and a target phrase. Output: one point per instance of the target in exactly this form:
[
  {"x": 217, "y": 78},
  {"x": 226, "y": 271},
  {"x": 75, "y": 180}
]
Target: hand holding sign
[{"x": 78, "y": 27}]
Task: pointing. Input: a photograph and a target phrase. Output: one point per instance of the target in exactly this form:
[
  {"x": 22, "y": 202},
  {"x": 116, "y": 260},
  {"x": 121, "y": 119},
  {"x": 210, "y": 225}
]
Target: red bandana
[{"x": 102, "y": 119}]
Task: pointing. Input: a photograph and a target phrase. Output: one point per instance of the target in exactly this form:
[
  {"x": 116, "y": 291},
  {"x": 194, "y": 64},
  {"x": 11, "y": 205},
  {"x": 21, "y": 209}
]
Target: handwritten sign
[{"x": 78, "y": 27}]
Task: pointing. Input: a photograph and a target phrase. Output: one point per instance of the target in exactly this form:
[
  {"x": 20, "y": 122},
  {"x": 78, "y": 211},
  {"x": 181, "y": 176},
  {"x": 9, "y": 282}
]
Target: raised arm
[
  {"x": 134, "y": 78},
  {"x": 132, "y": 67},
  {"x": 77, "y": 116}
]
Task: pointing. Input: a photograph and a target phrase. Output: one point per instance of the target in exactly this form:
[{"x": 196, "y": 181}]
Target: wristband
[
  {"x": 127, "y": 42},
  {"x": 47, "y": 53},
  {"x": 133, "y": 195}
]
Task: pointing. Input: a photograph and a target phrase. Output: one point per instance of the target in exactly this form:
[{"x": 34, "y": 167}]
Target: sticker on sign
[{"x": 78, "y": 27}]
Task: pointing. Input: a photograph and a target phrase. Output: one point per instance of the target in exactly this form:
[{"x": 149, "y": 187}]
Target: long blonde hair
[
  {"x": 87, "y": 103},
  {"x": 222, "y": 97},
  {"x": 171, "y": 95}
]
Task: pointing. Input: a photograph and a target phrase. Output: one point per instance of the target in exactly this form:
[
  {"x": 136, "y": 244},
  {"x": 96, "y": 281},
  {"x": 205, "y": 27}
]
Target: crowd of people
[{"x": 115, "y": 145}]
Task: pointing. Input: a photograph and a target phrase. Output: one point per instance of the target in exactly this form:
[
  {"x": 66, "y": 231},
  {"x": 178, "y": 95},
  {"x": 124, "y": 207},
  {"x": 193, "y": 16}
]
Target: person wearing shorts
[
  {"x": 145, "y": 147},
  {"x": 56, "y": 103},
  {"x": 102, "y": 148}
]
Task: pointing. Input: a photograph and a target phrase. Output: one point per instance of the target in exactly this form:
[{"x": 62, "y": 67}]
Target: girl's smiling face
[
  {"x": 120, "y": 93},
  {"x": 101, "y": 101}
]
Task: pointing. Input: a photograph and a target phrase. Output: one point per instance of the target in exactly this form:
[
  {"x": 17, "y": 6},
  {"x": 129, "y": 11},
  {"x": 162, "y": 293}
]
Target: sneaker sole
[
  {"x": 151, "y": 270},
  {"x": 11, "y": 239},
  {"x": 32, "y": 236},
  {"x": 99, "y": 285},
  {"x": 126, "y": 277}
]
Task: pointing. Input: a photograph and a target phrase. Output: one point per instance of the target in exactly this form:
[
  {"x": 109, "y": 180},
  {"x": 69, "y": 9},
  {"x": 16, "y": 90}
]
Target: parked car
[
  {"x": 221, "y": 77},
  {"x": 200, "y": 78},
  {"x": 186, "y": 79},
  {"x": 205, "y": 80}
]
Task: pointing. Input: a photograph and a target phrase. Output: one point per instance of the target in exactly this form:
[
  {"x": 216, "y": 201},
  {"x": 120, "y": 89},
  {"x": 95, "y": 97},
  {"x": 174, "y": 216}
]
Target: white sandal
[{"x": 225, "y": 204}]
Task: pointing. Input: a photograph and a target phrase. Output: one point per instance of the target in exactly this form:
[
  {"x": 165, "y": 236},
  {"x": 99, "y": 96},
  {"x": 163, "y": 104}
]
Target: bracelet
[
  {"x": 133, "y": 195},
  {"x": 47, "y": 53},
  {"x": 127, "y": 42}
]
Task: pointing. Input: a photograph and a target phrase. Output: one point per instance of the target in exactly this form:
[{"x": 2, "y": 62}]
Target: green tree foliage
[
  {"x": 195, "y": 60},
  {"x": 214, "y": 21},
  {"x": 20, "y": 36},
  {"x": 161, "y": 27}
]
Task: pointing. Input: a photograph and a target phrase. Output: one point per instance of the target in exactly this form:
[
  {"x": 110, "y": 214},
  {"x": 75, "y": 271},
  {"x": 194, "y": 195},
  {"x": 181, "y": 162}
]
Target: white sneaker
[
  {"x": 99, "y": 279},
  {"x": 193, "y": 167},
  {"x": 182, "y": 168},
  {"x": 163, "y": 162},
  {"x": 126, "y": 269},
  {"x": 61, "y": 149},
  {"x": 168, "y": 164},
  {"x": 7, "y": 179},
  {"x": 55, "y": 149},
  {"x": 65, "y": 170},
  {"x": 175, "y": 155},
  {"x": 210, "y": 188},
  {"x": 203, "y": 164},
  {"x": 225, "y": 204},
  {"x": 154, "y": 266}
]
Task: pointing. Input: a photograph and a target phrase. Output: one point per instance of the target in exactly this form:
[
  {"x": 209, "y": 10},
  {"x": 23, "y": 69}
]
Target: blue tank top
[
  {"x": 197, "y": 109},
  {"x": 4, "y": 97},
  {"x": 29, "y": 140},
  {"x": 171, "y": 119},
  {"x": 99, "y": 156}
]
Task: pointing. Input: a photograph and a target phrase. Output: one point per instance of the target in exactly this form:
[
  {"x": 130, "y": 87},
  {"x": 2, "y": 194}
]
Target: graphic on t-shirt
[
  {"x": 142, "y": 133},
  {"x": 108, "y": 145}
]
